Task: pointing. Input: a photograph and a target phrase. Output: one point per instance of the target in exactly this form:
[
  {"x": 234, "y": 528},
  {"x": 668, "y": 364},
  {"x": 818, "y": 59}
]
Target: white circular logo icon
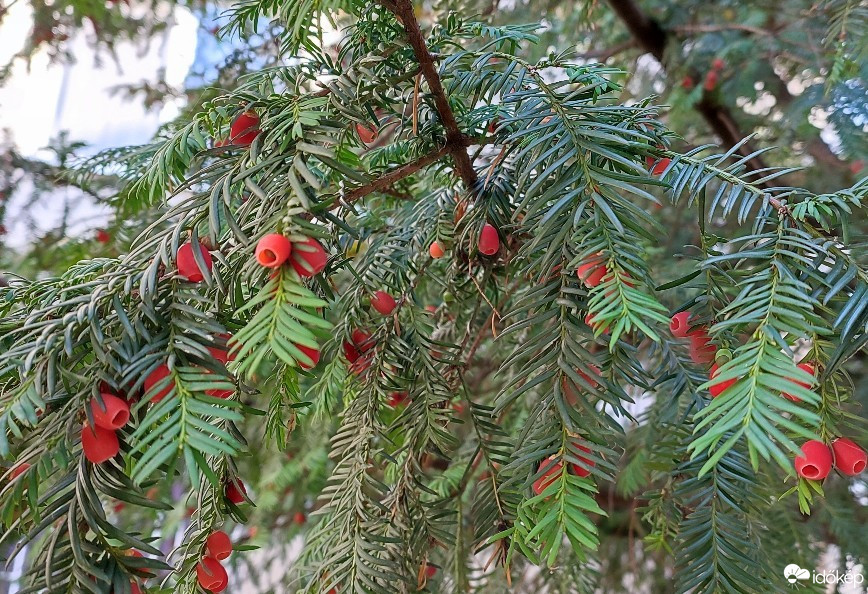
[{"x": 793, "y": 573}]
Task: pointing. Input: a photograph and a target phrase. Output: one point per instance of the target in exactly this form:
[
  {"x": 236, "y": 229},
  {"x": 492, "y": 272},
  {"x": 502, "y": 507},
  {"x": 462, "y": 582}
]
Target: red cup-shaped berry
[
  {"x": 719, "y": 388},
  {"x": 436, "y": 250},
  {"x": 299, "y": 518},
  {"x": 308, "y": 257},
  {"x": 273, "y": 250},
  {"x": 680, "y": 324},
  {"x": 583, "y": 467},
  {"x": 18, "y": 470},
  {"x": 658, "y": 167},
  {"x": 103, "y": 236},
  {"x": 489, "y": 241},
  {"x": 212, "y": 575},
  {"x": 850, "y": 459},
  {"x": 186, "y": 262},
  {"x": 350, "y": 351},
  {"x": 244, "y": 129},
  {"x": 361, "y": 365},
  {"x": 98, "y": 444},
  {"x": 702, "y": 350},
  {"x": 362, "y": 340},
  {"x": 155, "y": 378},
  {"x": 430, "y": 571},
  {"x": 807, "y": 368},
  {"x": 815, "y": 461},
  {"x": 589, "y": 320},
  {"x": 592, "y": 272},
  {"x": 236, "y": 492},
  {"x": 549, "y": 476},
  {"x": 396, "y": 399},
  {"x": 312, "y": 354},
  {"x": 113, "y": 413},
  {"x": 383, "y": 303},
  {"x": 367, "y": 132},
  {"x": 218, "y": 545}
]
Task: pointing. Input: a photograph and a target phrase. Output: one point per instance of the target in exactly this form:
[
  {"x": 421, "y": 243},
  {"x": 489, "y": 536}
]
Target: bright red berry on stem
[
  {"x": 592, "y": 272},
  {"x": 687, "y": 82},
  {"x": 710, "y": 81},
  {"x": 244, "y": 129},
  {"x": 273, "y": 250},
  {"x": 430, "y": 571},
  {"x": 211, "y": 575},
  {"x": 549, "y": 476},
  {"x": 850, "y": 459},
  {"x": 808, "y": 368},
  {"x": 308, "y": 257},
  {"x": 396, "y": 399},
  {"x": 113, "y": 413},
  {"x": 154, "y": 378},
  {"x": 362, "y": 340},
  {"x": 18, "y": 470},
  {"x": 218, "y": 545},
  {"x": 680, "y": 324},
  {"x": 186, "y": 262},
  {"x": 718, "y": 64},
  {"x": 815, "y": 461},
  {"x": 236, "y": 492},
  {"x": 436, "y": 250},
  {"x": 311, "y": 353},
  {"x": 657, "y": 167},
  {"x": 350, "y": 351},
  {"x": 583, "y": 468},
  {"x": 383, "y": 303},
  {"x": 299, "y": 518},
  {"x": 489, "y": 241},
  {"x": 367, "y": 132},
  {"x": 589, "y": 320},
  {"x": 719, "y": 388},
  {"x": 103, "y": 236},
  {"x": 98, "y": 444},
  {"x": 702, "y": 350}
]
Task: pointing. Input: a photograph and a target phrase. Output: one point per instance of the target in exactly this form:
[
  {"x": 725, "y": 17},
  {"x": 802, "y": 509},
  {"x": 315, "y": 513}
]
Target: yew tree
[{"x": 414, "y": 298}]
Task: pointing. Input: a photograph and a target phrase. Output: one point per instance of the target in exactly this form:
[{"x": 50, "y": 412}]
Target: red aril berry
[
  {"x": 430, "y": 571},
  {"x": 134, "y": 588},
  {"x": 710, "y": 81},
  {"x": 719, "y": 388},
  {"x": 680, "y": 324},
  {"x": 436, "y": 250},
  {"x": 396, "y": 399},
  {"x": 103, "y": 236},
  {"x": 489, "y": 241},
  {"x": 702, "y": 350},
  {"x": 687, "y": 83},
  {"x": 717, "y": 64},
  {"x": 367, "y": 132},
  {"x": 244, "y": 129},
  {"x": 273, "y": 250},
  {"x": 98, "y": 444},
  {"x": 18, "y": 470},
  {"x": 361, "y": 365},
  {"x": 583, "y": 467},
  {"x": 592, "y": 272},
  {"x": 113, "y": 413},
  {"x": 312, "y": 355},
  {"x": 362, "y": 340},
  {"x": 156, "y": 377},
  {"x": 591, "y": 380},
  {"x": 431, "y": 308},
  {"x": 186, "y": 262},
  {"x": 850, "y": 459},
  {"x": 815, "y": 461},
  {"x": 549, "y": 476},
  {"x": 299, "y": 518},
  {"x": 807, "y": 368},
  {"x": 218, "y": 545},
  {"x": 383, "y": 303},
  {"x": 657, "y": 167},
  {"x": 308, "y": 257},
  {"x": 211, "y": 575},
  {"x": 589, "y": 320},
  {"x": 236, "y": 492},
  {"x": 350, "y": 351}
]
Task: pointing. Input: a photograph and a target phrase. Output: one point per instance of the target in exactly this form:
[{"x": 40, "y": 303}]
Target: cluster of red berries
[
  {"x": 488, "y": 243},
  {"x": 100, "y": 442},
  {"x": 555, "y": 465},
  {"x": 712, "y": 76},
  {"x": 210, "y": 572},
  {"x": 817, "y": 459},
  {"x": 702, "y": 350}
]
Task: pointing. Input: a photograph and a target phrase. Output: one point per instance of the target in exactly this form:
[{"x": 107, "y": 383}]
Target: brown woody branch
[
  {"x": 385, "y": 181},
  {"x": 456, "y": 141}
]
